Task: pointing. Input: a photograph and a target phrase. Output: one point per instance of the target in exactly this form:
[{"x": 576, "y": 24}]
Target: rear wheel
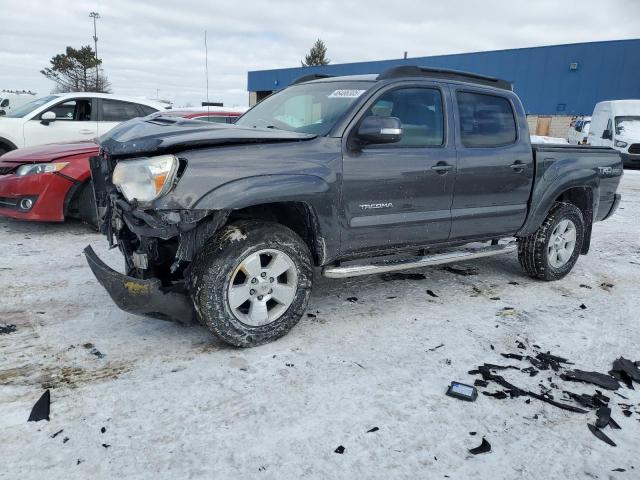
[
  {"x": 551, "y": 252},
  {"x": 251, "y": 282}
]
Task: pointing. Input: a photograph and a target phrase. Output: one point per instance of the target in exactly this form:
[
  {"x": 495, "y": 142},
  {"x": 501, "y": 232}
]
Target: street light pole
[{"x": 95, "y": 16}]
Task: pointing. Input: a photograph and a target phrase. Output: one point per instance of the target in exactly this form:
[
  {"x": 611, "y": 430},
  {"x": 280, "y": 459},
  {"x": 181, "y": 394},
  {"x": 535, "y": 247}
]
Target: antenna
[{"x": 206, "y": 67}]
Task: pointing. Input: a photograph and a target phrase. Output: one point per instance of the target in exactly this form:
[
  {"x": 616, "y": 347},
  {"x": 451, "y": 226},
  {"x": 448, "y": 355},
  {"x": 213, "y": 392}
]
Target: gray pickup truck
[{"x": 354, "y": 175}]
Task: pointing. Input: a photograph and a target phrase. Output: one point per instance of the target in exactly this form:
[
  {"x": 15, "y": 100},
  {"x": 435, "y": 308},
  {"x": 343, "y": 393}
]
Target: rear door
[
  {"x": 495, "y": 165},
  {"x": 75, "y": 121},
  {"x": 399, "y": 194},
  {"x": 112, "y": 112}
]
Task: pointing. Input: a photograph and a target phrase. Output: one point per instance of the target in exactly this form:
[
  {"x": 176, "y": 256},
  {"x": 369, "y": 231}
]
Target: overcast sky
[{"x": 160, "y": 44}]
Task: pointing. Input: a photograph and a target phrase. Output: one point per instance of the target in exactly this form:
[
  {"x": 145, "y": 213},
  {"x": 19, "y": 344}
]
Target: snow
[
  {"x": 543, "y": 139},
  {"x": 178, "y": 404}
]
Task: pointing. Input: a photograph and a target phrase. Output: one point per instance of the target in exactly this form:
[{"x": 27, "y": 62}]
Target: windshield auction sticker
[{"x": 346, "y": 93}]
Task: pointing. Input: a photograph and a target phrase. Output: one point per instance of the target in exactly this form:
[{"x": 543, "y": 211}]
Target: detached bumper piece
[{"x": 141, "y": 297}]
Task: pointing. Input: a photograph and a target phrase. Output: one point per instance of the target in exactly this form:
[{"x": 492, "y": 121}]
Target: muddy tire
[
  {"x": 551, "y": 252},
  {"x": 251, "y": 282}
]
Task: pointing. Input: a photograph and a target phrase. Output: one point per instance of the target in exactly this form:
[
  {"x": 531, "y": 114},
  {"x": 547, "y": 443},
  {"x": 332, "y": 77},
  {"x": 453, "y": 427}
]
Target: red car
[{"x": 52, "y": 182}]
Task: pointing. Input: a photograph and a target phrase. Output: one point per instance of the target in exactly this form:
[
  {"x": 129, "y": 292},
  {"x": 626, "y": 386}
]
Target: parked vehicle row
[
  {"x": 354, "y": 175},
  {"x": 10, "y": 101},
  {"x": 51, "y": 182},
  {"x": 579, "y": 131}
]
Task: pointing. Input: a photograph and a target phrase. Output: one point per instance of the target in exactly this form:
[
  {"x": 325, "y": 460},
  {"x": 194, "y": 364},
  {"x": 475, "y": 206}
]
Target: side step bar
[{"x": 466, "y": 253}]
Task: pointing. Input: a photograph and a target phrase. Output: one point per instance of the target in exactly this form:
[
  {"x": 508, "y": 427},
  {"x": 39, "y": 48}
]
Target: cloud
[{"x": 158, "y": 46}]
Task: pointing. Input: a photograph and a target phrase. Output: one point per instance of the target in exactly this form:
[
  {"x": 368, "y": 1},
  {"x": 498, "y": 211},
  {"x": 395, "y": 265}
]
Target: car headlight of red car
[{"x": 35, "y": 168}]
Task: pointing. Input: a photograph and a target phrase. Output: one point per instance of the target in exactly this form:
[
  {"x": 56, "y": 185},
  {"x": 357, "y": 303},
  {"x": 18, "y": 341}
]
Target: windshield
[
  {"x": 27, "y": 108},
  {"x": 307, "y": 108},
  {"x": 629, "y": 126}
]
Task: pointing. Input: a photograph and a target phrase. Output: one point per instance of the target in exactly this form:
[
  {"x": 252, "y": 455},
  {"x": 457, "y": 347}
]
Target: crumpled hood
[
  {"x": 170, "y": 134},
  {"x": 49, "y": 152}
]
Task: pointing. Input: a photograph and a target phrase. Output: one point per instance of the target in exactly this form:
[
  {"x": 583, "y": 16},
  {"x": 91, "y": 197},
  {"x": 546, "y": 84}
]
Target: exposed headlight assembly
[
  {"x": 145, "y": 179},
  {"x": 34, "y": 168},
  {"x": 620, "y": 144}
]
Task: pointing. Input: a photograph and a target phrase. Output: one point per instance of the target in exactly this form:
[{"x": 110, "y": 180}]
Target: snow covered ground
[
  {"x": 543, "y": 139},
  {"x": 175, "y": 403}
]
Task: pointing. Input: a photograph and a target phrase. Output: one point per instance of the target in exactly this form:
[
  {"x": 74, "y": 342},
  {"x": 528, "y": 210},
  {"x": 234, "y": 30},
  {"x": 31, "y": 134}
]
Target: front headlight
[
  {"x": 620, "y": 144},
  {"x": 145, "y": 179},
  {"x": 34, "y": 168}
]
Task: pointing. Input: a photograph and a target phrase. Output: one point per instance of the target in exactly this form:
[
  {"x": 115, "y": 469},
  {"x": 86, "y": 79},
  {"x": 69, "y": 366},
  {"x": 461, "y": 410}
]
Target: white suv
[{"x": 69, "y": 117}]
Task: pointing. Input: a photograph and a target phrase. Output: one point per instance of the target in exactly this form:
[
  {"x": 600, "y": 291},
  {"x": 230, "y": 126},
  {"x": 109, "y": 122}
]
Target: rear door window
[
  {"x": 117, "y": 111},
  {"x": 485, "y": 120}
]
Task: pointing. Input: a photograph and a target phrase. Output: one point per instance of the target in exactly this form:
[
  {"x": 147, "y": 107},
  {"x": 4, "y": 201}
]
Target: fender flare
[
  {"x": 261, "y": 189},
  {"x": 548, "y": 193}
]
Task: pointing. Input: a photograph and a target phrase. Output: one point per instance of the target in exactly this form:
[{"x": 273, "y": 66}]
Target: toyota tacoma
[{"x": 226, "y": 224}]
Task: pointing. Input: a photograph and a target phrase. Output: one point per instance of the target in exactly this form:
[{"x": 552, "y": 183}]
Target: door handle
[
  {"x": 442, "y": 168},
  {"x": 518, "y": 166}
]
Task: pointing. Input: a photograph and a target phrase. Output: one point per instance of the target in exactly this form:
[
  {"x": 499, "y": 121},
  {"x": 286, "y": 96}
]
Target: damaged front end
[{"x": 158, "y": 248}]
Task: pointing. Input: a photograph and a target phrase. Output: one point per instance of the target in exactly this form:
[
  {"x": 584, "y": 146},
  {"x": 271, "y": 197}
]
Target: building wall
[
  {"x": 542, "y": 76},
  {"x": 558, "y": 125}
]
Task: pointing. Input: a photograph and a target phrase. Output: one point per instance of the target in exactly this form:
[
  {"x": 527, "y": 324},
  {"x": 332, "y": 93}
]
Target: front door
[
  {"x": 113, "y": 112},
  {"x": 75, "y": 121},
  {"x": 399, "y": 194},
  {"x": 495, "y": 166}
]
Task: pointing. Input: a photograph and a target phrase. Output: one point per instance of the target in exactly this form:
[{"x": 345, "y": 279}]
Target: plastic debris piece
[
  {"x": 512, "y": 355},
  {"x": 499, "y": 395},
  {"x": 460, "y": 270},
  {"x": 627, "y": 413},
  {"x": 339, "y": 450},
  {"x": 352, "y": 299},
  {"x": 480, "y": 383},
  {"x": 65, "y": 439},
  {"x": 613, "y": 424},
  {"x": 600, "y": 435},
  {"x": 106, "y": 445},
  {"x": 6, "y": 329},
  {"x": 389, "y": 277},
  {"x": 618, "y": 470},
  {"x": 57, "y": 433},
  {"x": 531, "y": 371},
  {"x": 484, "y": 447},
  {"x": 604, "y": 415},
  {"x": 103, "y": 429},
  {"x": 430, "y": 293},
  {"x": 433, "y": 349},
  {"x": 628, "y": 367},
  {"x": 520, "y": 345},
  {"x": 583, "y": 306},
  {"x": 40, "y": 410},
  {"x": 374, "y": 429},
  {"x": 596, "y": 378},
  {"x": 472, "y": 433}
]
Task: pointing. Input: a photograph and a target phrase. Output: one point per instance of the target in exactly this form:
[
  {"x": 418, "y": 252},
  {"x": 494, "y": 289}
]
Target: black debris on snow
[
  {"x": 40, "y": 410},
  {"x": 484, "y": 447}
]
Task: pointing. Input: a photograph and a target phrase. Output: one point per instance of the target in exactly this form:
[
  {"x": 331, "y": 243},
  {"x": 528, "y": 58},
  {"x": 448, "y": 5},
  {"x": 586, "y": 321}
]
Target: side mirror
[
  {"x": 374, "y": 129},
  {"x": 607, "y": 135},
  {"x": 47, "y": 117}
]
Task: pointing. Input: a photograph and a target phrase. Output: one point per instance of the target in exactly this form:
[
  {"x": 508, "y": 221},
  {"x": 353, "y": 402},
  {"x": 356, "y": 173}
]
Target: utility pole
[{"x": 95, "y": 16}]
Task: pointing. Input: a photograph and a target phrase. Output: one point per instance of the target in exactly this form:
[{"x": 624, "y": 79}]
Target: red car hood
[{"x": 48, "y": 153}]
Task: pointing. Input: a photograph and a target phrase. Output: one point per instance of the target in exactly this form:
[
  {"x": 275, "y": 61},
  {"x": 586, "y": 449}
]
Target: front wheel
[
  {"x": 551, "y": 251},
  {"x": 251, "y": 282}
]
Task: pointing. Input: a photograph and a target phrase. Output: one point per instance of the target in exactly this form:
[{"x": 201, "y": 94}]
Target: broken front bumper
[{"x": 142, "y": 297}]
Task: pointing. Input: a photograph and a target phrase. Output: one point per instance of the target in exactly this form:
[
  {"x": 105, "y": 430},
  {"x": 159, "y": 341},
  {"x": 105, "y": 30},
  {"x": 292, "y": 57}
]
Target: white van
[
  {"x": 10, "y": 101},
  {"x": 616, "y": 123}
]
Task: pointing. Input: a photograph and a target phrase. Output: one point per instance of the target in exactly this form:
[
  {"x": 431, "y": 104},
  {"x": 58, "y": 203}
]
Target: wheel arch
[
  {"x": 7, "y": 143},
  {"x": 299, "y": 216}
]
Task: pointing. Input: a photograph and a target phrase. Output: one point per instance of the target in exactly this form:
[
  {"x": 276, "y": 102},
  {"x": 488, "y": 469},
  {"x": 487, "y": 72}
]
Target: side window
[
  {"x": 420, "y": 112},
  {"x": 77, "y": 110},
  {"x": 147, "y": 110},
  {"x": 485, "y": 120},
  {"x": 5, "y": 103},
  {"x": 117, "y": 111}
]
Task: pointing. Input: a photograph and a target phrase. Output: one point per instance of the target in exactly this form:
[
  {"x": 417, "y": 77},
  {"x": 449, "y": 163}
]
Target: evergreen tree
[
  {"x": 317, "y": 55},
  {"x": 77, "y": 71}
]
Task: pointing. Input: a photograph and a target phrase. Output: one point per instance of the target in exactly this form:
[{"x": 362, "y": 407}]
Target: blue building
[{"x": 557, "y": 80}]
